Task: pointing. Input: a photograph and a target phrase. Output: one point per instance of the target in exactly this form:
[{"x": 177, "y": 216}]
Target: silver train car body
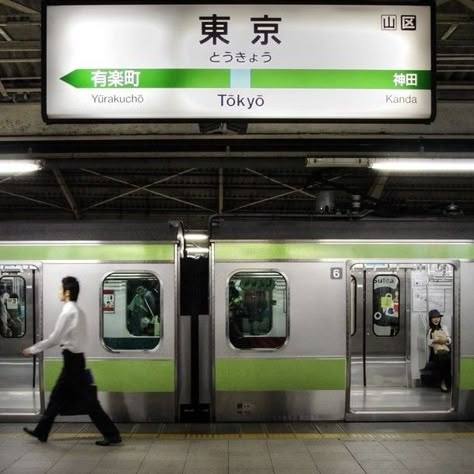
[
  {"x": 323, "y": 320},
  {"x": 350, "y": 304},
  {"x": 135, "y": 373}
]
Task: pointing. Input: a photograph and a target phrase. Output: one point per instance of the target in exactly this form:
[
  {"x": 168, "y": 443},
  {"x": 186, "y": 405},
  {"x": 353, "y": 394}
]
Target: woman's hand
[{"x": 26, "y": 352}]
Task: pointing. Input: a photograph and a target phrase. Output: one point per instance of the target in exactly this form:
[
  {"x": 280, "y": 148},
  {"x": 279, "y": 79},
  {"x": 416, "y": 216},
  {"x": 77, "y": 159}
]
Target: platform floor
[{"x": 235, "y": 448}]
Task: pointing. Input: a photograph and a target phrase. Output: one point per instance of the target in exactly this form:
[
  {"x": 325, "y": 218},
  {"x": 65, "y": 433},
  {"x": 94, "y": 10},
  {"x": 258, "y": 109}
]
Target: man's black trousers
[{"x": 72, "y": 387}]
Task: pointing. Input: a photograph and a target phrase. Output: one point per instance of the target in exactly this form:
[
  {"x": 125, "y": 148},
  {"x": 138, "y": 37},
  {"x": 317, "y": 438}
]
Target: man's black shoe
[
  {"x": 108, "y": 442},
  {"x": 32, "y": 433}
]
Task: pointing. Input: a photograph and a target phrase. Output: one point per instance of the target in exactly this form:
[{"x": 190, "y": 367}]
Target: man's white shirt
[{"x": 69, "y": 331}]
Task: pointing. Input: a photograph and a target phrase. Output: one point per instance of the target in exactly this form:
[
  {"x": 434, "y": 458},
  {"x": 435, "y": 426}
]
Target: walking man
[{"x": 70, "y": 334}]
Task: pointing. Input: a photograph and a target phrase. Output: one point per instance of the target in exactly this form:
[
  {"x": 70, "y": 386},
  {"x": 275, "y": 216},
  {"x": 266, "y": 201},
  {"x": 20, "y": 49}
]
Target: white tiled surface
[{"x": 383, "y": 448}]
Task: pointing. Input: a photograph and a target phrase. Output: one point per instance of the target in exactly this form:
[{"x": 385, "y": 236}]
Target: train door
[
  {"x": 388, "y": 352},
  {"x": 19, "y": 382},
  {"x": 194, "y": 355}
]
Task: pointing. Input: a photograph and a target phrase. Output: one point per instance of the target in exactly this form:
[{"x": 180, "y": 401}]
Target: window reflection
[
  {"x": 257, "y": 310},
  {"x": 131, "y": 311},
  {"x": 353, "y": 305},
  {"x": 12, "y": 307}
]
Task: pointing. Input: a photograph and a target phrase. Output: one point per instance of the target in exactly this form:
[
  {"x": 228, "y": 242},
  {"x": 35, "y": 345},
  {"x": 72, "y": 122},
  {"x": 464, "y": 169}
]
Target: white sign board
[{"x": 231, "y": 62}]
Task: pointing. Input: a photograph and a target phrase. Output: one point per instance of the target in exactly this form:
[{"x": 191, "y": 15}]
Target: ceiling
[{"x": 126, "y": 179}]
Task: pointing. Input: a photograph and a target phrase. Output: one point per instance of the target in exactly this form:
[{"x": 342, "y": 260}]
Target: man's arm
[{"x": 54, "y": 338}]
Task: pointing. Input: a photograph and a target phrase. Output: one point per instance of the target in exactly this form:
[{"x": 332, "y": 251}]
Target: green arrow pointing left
[{"x": 148, "y": 78}]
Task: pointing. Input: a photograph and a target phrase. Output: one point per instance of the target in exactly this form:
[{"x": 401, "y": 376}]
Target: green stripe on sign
[
  {"x": 466, "y": 376},
  {"x": 148, "y": 78},
  {"x": 310, "y": 251},
  {"x": 339, "y": 79},
  {"x": 281, "y": 374},
  {"x": 259, "y": 78},
  {"x": 139, "y": 252},
  {"x": 121, "y": 375}
]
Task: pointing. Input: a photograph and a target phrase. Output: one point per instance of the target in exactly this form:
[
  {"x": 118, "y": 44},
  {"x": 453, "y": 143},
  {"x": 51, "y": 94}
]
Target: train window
[
  {"x": 353, "y": 305},
  {"x": 12, "y": 306},
  {"x": 257, "y": 310},
  {"x": 386, "y": 294},
  {"x": 131, "y": 311}
]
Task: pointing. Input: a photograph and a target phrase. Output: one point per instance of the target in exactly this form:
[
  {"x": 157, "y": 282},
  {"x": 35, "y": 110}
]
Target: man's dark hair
[{"x": 71, "y": 284}]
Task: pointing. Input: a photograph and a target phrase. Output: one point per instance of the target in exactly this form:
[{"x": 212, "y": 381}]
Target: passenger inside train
[
  {"x": 139, "y": 313},
  {"x": 439, "y": 343},
  {"x": 13, "y": 308},
  {"x": 257, "y": 310},
  {"x": 12, "y": 322},
  {"x": 5, "y": 320}
]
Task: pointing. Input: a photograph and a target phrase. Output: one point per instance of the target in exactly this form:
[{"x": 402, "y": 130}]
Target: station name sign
[{"x": 268, "y": 62}]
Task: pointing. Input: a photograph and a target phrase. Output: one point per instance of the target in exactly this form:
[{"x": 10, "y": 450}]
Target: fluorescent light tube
[
  {"x": 18, "y": 166},
  {"x": 423, "y": 165},
  {"x": 196, "y": 237},
  {"x": 197, "y": 250}
]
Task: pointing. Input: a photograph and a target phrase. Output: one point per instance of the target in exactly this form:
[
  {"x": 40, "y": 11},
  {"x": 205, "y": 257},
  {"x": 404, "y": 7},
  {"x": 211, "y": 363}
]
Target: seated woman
[{"x": 439, "y": 342}]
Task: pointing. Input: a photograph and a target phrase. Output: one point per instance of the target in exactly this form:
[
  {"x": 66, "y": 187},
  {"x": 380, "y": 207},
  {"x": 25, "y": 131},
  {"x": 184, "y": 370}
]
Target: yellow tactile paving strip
[{"x": 210, "y": 436}]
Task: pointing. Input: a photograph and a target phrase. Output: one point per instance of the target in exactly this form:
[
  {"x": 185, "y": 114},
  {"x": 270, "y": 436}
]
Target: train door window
[
  {"x": 257, "y": 310},
  {"x": 386, "y": 295},
  {"x": 12, "y": 306},
  {"x": 131, "y": 311},
  {"x": 353, "y": 305}
]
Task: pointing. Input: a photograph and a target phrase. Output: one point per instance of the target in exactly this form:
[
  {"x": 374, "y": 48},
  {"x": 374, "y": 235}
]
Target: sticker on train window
[{"x": 386, "y": 305}]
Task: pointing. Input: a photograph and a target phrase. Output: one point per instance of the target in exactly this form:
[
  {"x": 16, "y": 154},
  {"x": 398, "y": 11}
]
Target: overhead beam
[
  {"x": 19, "y": 46},
  {"x": 28, "y": 90},
  {"x": 5, "y": 35},
  {"x": 143, "y": 188},
  {"x": 3, "y": 91},
  {"x": 37, "y": 201},
  {"x": 19, "y": 60},
  {"x": 468, "y": 4},
  {"x": 19, "y": 7},
  {"x": 18, "y": 21},
  {"x": 280, "y": 183},
  {"x": 66, "y": 191},
  {"x": 221, "y": 191},
  {"x": 271, "y": 198},
  {"x": 449, "y": 32},
  {"x": 23, "y": 78}
]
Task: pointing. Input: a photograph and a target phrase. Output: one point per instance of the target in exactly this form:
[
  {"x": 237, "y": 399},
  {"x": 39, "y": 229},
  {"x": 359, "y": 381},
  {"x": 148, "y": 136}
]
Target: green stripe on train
[
  {"x": 466, "y": 376},
  {"x": 318, "y": 250},
  {"x": 162, "y": 252},
  {"x": 121, "y": 375},
  {"x": 281, "y": 374}
]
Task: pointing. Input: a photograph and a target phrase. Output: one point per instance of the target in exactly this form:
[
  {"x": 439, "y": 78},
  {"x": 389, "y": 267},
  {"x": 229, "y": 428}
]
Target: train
[{"x": 266, "y": 320}]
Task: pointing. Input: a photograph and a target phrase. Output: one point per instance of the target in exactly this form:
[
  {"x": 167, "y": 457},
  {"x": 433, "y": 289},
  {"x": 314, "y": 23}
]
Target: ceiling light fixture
[
  {"x": 432, "y": 165},
  {"x": 336, "y": 162},
  {"x": 18, "y": 166},
  {"x": 396, "y": 164}
]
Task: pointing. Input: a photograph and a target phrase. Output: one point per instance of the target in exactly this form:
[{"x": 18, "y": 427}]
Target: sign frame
[{"x": 48, "y": 120}]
